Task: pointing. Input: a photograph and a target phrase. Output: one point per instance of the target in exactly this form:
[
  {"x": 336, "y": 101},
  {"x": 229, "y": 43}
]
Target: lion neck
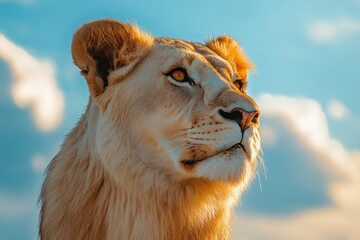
[{"x": 141, "y": 205}]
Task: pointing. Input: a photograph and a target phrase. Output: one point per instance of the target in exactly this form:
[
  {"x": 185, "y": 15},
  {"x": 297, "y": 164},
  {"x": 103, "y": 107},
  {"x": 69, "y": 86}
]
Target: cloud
[
  {"x": 39, "y": 162},
  {"x": 325, "y": 31},
  {"x": 34, "y": 85},
  {"x": 268, "y": 135},
  {"x": 337, "y": 109},
  {"x": 307, "y": 122}
]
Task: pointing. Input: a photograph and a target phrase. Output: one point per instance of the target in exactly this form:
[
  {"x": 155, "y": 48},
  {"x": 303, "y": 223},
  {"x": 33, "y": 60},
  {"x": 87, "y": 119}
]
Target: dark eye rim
[
  {"x": 186, "y": 79},
  {"x": 240, "y": 84}
]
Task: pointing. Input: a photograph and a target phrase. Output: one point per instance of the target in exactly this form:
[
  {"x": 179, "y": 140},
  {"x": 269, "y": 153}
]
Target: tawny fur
[
  {"x": 227, "y": 48},
  {"x": 85, "y": 203},
  {"x": 82, "y": 198}
]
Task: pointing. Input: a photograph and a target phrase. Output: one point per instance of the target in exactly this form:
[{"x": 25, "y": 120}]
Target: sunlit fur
[
  {"x": 120, "y": 172},
  {"x": 227, "y": 48}
]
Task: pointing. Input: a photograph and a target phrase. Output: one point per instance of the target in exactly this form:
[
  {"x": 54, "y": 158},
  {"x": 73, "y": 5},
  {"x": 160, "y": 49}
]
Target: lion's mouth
[{"x": 193, "y": 162}]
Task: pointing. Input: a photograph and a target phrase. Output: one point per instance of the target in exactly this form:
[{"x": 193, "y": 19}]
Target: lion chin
[{"x": 168, "y": 142}]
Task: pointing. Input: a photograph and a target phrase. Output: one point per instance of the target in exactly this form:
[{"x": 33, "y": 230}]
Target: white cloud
[
  {"x": 306, "y": 120},
  {"x": 337, "y": 109},
  {"x": 34, "y": 85},
  {"x": 268, "y": 135},
  {"x": 325, "y": 31},
  {"x": 39, "y": 162}
]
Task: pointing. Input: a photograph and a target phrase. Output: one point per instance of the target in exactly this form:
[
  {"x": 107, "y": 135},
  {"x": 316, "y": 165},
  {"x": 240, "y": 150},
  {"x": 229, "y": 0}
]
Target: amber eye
[
  {"x": 239, "y": 84},
  {"x": 178, "y": 75}
]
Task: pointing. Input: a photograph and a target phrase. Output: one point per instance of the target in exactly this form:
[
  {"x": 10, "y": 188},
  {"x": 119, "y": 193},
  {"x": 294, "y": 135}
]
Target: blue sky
[{"x": 307, "y": 83}]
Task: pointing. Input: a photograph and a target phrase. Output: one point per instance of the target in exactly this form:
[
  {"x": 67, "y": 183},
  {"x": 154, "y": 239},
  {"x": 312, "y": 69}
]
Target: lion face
[{"x": 177, "y": 108}]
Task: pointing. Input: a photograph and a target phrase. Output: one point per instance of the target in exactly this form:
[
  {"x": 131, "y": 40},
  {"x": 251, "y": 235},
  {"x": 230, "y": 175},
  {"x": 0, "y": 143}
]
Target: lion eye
[
  {"x": 180, "y": 75},
  {"x": 239, "y": 84}
]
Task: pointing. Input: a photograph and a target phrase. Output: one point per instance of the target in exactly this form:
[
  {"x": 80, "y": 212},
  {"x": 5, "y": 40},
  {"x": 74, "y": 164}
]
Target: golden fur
[
  {"x": 120, "y": 173},
  {"x": 227, "y": 48}
]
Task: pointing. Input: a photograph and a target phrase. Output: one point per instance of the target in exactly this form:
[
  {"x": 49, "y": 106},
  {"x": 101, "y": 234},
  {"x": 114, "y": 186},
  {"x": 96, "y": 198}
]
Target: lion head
[
  {"x": 168, "y": 142},
  {"x": 169, "y": 105}
]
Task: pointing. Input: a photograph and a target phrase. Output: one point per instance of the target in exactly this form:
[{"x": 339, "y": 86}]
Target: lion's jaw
[{"x": 178, "y": 129}]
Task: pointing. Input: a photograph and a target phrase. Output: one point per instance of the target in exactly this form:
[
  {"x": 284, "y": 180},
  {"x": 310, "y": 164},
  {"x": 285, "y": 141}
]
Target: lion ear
[
  {"x": 229, "y": 49},
  {"x": 101, "y": 47}
]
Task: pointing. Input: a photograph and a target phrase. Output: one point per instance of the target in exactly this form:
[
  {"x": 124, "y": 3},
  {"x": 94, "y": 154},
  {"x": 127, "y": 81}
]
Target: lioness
[{"x": 168, "y": 141}]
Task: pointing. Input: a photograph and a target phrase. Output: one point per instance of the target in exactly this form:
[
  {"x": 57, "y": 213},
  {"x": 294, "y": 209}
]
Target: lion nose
[{"x": 242, "y": 117}]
